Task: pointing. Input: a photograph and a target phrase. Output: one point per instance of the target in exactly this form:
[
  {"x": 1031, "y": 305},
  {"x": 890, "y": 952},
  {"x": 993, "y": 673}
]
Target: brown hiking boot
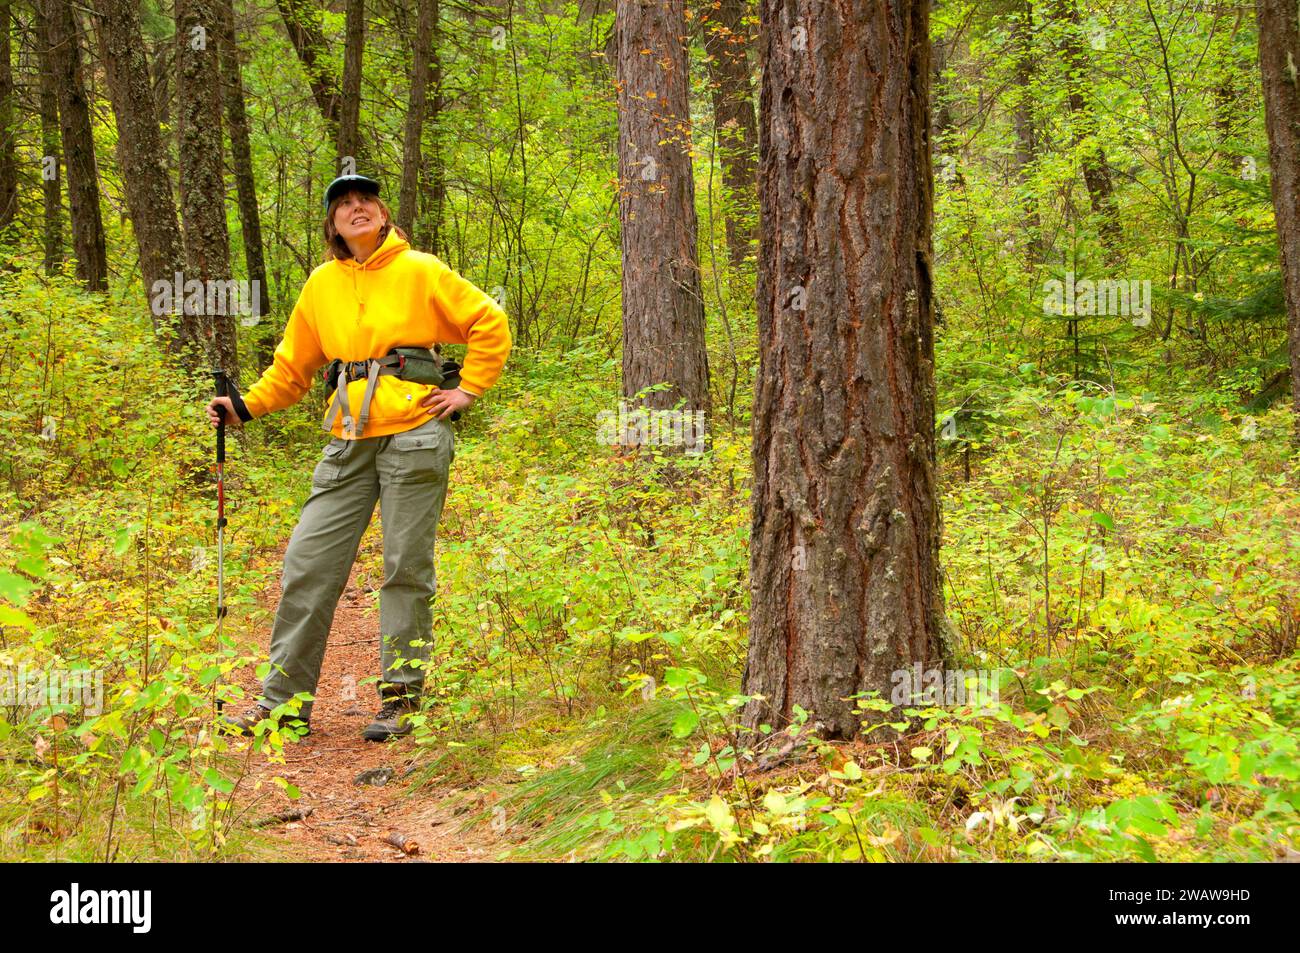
[
  {"x": 243, "y": 724},
  {"x": 392, "y": 720}
]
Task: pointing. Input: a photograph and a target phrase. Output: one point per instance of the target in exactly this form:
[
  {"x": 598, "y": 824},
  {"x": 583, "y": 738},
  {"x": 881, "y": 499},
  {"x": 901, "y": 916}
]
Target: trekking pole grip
[{"x": 223, "y": 389}]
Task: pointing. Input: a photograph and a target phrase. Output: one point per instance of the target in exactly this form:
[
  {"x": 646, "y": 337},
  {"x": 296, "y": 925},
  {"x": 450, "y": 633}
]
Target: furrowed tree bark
[
  {"x": 354, "y": 41},
  {"x": 844, "y": 549},
  {"x": 8, "y": 124},
  {"x": 1279, "y": 58},
  {"x": 78, "y": 145},
  {"x": 727, "y": 41},
  {"x": 241, "y": 164},
  {"x": 663, "y": 311},
  {"x": 412, "y": 153},
  {"x": 51, "y": 150},
  {"x": 160, "y": 77},
  {"x": 208, "y": 336},
  {"x": 140, "y": 150}
]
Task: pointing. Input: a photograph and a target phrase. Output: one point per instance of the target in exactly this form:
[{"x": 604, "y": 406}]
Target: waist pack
[{"x": 416, "y": 364}]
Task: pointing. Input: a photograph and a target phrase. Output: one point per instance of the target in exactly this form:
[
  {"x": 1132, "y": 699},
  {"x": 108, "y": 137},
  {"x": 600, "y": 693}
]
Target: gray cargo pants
[{"x": 407, "y": 473}]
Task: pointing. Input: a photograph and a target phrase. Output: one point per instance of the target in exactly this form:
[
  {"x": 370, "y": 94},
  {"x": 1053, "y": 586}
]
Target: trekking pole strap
[{"x": 226, "y": 388}]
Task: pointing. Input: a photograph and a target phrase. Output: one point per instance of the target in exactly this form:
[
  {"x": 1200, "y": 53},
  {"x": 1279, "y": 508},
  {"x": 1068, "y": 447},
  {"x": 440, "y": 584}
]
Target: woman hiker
[{"x": 373, "y": 293}]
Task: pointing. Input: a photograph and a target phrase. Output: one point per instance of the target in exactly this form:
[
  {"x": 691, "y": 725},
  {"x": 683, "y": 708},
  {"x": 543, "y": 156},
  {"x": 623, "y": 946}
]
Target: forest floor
[{"x": 349, "y": 819}]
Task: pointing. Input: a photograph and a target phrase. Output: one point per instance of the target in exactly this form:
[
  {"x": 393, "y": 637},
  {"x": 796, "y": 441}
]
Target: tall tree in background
[
  {"x": 140, "y": 151},
  {"x": 1279, "y": 54},
  {"x": 78, "y": 145},
  {"x": 1026, "y": 153},
  {"x": 203, "y": 192},
  {"x": 844, "y": 548},
  {"x": 8, "y": 127},
  {"x": 727, "y": 41},
  {"x": 433, "y": 179},
  {"x": 413, "y": 135},
  {"x": 302, "y": 22},
  {"x": 1083, "y": 123},
  {"x": 51, "y": 150},
  {"x": 354, "y": 44},
  {"x": 241, "y": 162},
  {"x": 663, "y": 311}
]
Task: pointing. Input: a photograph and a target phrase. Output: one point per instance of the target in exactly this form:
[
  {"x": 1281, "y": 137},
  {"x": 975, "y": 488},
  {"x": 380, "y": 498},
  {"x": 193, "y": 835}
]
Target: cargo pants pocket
[
  {"x": 329, "y": 471},
  {"x": 424, "y": 456}
]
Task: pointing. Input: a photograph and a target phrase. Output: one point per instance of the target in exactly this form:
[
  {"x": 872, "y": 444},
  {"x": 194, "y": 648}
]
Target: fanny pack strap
[
  {"x": 375, "y": 368},
  {"x": 395, "y": 364}
]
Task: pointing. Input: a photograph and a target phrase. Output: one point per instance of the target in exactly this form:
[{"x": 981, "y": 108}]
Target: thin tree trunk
[
  {"x": 412, "y": 153},
  {"x": 844, "y": 549},
  {"x": 433, "y": 186},
  {"x": 941, "y": 120},
  {"x": 8, "y": 124},
  {"x": 354, "y": 43},
  {"x": 727, "y": 41},
  {"x": 303, "y": 24},
  {"x": 140, "y": 150},
  {"x": 1083, "y": 125},
  {"x": 211, "y": 334},
  {"x": 1026, "y": 153},
  {"x": 663, "y": 311},
  {"x": 51, "y": 149},
  {"x": 1279, "y": 53},
  {"x": 241, "y": 161},
  {"x": 78, "y": 146}
]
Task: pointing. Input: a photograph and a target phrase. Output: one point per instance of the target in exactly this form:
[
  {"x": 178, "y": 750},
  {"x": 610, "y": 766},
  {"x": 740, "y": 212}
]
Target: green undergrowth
[{"x": 1122, "y": 563}]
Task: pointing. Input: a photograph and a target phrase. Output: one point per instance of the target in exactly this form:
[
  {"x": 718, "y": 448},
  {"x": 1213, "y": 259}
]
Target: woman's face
[{"x": 358, "y": 219}]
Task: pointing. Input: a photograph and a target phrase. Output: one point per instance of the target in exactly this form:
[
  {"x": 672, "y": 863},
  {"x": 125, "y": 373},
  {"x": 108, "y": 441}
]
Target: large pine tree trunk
[
  {"x": 412, "y": 153},
  {"x": 663, "y": 312},
  {"x": 1279, "y": 56},
  {"x": 8, "y": 124},
  {"x": 354, "y": 43},
  {"x": 140, "y": 149},
  {"x": 844, "y": 550},
  {"x": 727, "y": 41},
  {"x": 78, "y": 145},
  {"x": 203, "y": 193},
  {"x": 241, "y": 161},
  {"x": 51, "y": 149}
]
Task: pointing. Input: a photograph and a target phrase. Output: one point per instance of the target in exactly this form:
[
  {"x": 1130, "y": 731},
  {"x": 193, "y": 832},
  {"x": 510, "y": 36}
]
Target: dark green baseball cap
[{"x": 346, "y": 183}]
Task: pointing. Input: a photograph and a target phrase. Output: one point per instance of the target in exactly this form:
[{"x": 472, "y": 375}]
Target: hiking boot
[
  {"x": 392, "y": 720},
  {"x": 244, "y": 724}
]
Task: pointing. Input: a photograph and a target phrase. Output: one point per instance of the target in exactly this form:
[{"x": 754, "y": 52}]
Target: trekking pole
[{"x": 223, "y": 388}]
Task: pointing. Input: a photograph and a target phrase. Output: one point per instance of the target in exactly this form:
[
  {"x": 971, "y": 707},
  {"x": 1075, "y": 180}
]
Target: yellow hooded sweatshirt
[{"x": 398, "y": 297}]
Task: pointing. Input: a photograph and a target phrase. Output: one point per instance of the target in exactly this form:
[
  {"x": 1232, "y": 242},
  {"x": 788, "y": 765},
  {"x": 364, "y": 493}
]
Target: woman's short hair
[{"x": 335, "y": 246}]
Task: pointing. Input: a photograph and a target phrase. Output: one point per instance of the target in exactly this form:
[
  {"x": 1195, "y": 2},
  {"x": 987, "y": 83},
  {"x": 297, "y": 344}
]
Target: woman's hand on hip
[
  {"x": 214, "y": 418},
  {"x": 442, "y": 403}
]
